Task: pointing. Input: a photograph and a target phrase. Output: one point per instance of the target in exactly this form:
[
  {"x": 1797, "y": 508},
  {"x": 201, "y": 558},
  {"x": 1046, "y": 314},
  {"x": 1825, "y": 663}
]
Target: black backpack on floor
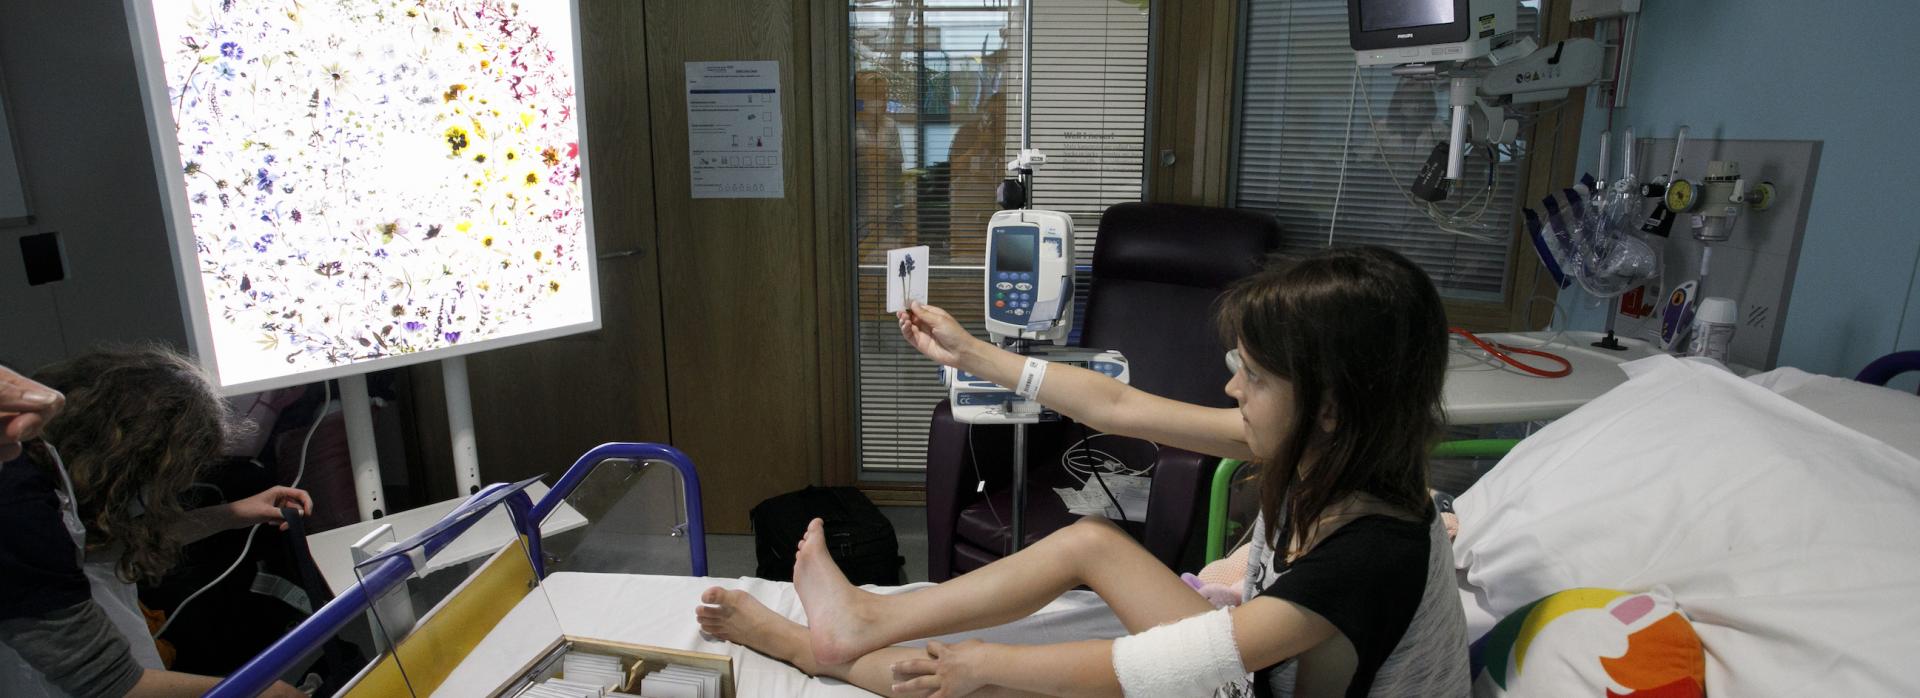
[{"x": 859, "y": 537}]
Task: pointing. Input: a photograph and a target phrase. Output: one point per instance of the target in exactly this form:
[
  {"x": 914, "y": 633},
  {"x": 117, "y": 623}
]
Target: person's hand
[
  {"x": 935, "y": 333},
  {"x": 949, "y": 671},
  {"x": 264, "y": 508},
  {"x": 915, "y": 677},
  {"x": 25, "y": 409}
]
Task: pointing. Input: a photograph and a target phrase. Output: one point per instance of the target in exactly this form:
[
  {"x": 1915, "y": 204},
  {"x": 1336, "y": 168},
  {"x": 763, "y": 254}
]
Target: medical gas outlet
[{"x": 1719, "y": 199}]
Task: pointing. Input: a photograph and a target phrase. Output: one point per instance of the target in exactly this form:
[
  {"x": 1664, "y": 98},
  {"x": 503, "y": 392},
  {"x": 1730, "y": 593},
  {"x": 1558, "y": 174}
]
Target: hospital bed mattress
[{"x": 658, "y": 611}]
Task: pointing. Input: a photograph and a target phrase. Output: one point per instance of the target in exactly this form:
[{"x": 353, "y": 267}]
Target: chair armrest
[{"x": 1177, "y": 506}]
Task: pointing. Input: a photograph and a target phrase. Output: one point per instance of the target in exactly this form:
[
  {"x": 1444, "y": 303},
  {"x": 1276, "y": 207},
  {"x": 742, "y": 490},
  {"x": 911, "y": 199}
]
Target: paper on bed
[
  {"x": 906, "y": 277},
  {"x": 1132, "y": 492},
  {"x": 1785, "y": 537}
]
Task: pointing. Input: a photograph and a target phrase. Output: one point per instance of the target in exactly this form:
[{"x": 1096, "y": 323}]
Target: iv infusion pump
[
  {"x": 1029, "y": 298},
  {"x": 1029, "y": 291}
]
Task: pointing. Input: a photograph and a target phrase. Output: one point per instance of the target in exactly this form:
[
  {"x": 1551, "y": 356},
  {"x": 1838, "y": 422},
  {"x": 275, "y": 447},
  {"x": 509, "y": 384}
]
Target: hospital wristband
[{"x": 1031, "y": 376}]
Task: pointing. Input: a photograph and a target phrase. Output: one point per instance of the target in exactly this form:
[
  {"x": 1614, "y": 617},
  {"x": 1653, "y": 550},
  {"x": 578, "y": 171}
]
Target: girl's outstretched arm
[{"x": 1086, "y": 396}]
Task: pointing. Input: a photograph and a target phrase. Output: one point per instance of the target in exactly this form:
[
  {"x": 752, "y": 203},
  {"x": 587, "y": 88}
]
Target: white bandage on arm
[
  {"x": 1189, "y": 657},
  {"x": 1031, "y": 376}
]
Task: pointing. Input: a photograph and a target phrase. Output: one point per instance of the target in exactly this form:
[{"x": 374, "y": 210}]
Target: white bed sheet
[
  {"x": 1480, "y": 615},
  {"x": 658, "y": 610}
]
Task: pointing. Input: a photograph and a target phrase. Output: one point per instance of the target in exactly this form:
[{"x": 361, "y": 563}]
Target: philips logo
[{"x": 1403, "y": 36}]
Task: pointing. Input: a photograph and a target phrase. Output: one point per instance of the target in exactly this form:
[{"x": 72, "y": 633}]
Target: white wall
[{"x": 88, "y": 169}]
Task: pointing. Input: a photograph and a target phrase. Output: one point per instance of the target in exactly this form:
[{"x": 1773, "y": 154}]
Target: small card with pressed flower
[{"x": 906, "y": 277}]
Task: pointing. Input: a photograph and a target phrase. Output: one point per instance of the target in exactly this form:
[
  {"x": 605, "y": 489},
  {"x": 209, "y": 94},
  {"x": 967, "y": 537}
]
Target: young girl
[
  {"x": 1338, "y": 363},
  {"x": 82, "y": 527}
]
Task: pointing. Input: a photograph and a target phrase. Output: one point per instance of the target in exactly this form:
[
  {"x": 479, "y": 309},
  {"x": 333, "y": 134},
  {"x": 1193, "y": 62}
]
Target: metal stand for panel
[
  {"x": 363, "y": 449},
  {"x": 466, "y": 456}
]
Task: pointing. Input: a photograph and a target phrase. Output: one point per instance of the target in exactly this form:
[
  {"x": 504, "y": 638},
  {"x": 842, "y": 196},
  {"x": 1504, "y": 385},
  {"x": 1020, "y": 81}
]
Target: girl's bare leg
[
  {"x": 845, "y": 622},
  {"x": 735, "y": 616}
]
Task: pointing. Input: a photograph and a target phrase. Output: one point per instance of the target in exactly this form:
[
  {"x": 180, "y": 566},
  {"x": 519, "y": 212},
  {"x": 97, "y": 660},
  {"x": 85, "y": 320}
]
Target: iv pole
[{"x": 1019, "y": 345}]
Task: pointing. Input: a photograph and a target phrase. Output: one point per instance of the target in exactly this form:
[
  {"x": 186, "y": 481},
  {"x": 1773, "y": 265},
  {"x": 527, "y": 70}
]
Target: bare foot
[
  {"x": 735, "y": 616},
  {"x": 839, "y": 615}
]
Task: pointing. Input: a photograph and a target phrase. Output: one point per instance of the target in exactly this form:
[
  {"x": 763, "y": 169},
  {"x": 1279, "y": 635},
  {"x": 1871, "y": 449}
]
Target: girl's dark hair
[
  {"x": 1362, "y": 336},
  {"x": 139, "y": 424}
]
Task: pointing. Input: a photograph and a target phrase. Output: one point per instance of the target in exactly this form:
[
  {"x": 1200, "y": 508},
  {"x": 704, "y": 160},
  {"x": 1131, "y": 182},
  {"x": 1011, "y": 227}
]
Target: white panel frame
[{"x": 173, "y": 203}]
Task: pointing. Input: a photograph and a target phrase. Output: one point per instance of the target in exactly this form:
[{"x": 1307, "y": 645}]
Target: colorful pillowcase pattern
[{"x": 1592, "y": 642}]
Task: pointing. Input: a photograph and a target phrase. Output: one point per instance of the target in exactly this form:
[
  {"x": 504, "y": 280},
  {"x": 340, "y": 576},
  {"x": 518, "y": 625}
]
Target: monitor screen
[
  {"x": 1015, "y": 253},
  {"x": 1386, "y": 15}
]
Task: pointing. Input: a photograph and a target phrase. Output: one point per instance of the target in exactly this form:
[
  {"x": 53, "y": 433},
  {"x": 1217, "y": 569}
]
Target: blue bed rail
[
  {"x": 690, "y": 482},
  {"x": 390, "y": 569},
  {"x": 1886, "y": 367}
]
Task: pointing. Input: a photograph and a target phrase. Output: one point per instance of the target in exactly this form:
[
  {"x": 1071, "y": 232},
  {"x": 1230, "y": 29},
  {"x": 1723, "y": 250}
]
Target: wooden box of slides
[{"x": 578, "y": 666}]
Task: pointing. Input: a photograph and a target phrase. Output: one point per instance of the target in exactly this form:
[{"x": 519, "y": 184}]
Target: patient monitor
[
  {"x": 1393, "y": 32},
  {"x": 1473, "y": 45}
]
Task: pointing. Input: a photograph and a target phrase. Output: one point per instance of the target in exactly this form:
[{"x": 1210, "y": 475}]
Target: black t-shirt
[
  {"x": 39, "y": 566},
  {"x": 1366, "y": 578}
]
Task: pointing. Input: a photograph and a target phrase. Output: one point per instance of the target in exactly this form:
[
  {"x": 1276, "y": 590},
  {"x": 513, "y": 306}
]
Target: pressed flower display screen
[{"x": 357, "y": 184}]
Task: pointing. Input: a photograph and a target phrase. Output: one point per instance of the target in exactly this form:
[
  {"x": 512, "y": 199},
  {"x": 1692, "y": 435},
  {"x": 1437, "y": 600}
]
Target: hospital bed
[{"x": 600, "y": 585}]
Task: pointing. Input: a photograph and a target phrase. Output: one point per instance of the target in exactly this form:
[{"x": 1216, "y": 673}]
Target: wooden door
[{"x": 737, "y": 276}]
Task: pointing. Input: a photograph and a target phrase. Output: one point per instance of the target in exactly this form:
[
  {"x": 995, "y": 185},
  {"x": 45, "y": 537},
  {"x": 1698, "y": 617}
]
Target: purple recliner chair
[{"x": 1156, "y": 273}]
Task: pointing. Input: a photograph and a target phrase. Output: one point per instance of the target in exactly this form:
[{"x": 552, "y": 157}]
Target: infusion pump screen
[
  {"x": 1376, "y": 15},
  {"x": 1015, "y": 253}
]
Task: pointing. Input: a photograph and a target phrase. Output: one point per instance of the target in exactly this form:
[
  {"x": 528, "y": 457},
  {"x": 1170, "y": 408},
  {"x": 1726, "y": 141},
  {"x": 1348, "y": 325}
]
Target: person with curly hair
[{"x": 92, "y": 506}]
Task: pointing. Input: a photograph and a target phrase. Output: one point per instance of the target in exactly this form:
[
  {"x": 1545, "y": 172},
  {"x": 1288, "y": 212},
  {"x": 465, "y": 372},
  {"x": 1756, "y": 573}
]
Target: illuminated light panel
[{"x": 361, "y": 184}]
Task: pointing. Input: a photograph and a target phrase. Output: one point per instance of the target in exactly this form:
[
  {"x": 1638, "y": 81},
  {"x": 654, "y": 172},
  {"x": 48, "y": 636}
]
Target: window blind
[
  {"x": 1298, "y": 98},
  {"x": 936, "y": 118}
]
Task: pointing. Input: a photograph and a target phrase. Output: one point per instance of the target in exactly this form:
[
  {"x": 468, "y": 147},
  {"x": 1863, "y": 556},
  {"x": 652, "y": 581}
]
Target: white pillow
[
  {"x": 1892, "y": 416},
  {"x": 1793, "y": 543}
]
